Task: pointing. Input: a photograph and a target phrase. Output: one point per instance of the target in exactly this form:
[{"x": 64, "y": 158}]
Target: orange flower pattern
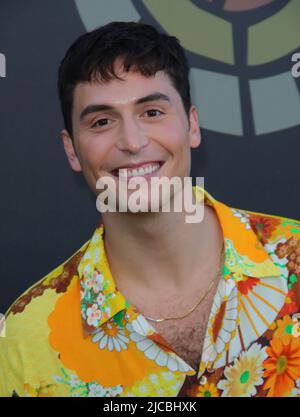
[
  {"x": 282, "y": 368},
  {"x": 74, "y": 334}
]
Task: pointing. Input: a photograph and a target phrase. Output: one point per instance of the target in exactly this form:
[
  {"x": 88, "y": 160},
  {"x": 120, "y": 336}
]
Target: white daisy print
[
  {"x": 110, "y": 336},
  {"x": 138, "y": 331}
]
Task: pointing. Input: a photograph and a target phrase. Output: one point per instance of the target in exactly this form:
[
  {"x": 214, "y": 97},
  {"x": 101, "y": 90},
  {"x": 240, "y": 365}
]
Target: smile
[{"x": 144, "y": 169}]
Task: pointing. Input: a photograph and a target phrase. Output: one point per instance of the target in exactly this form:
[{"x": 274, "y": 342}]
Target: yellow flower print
[
  {"x": 245, "y": 374},
  {"x": 206, "y": 390}
]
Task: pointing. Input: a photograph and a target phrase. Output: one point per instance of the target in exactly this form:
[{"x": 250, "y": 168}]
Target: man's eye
[
  {"x": 153, "y": 112},
  {"x": 100, "y": 122}
]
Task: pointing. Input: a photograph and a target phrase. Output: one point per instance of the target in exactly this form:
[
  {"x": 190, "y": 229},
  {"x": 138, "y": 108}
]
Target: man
[{"x": 153, "y": 305}]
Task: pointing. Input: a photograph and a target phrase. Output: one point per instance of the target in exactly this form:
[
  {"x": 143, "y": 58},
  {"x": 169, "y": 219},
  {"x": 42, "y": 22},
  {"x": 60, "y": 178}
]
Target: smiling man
[
  {"x": 143, "y": 127},
  {"x": 153, "y": 305}
]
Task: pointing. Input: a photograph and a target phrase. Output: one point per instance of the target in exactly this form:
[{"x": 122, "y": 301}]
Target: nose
[{"x": 131, "y": 137}]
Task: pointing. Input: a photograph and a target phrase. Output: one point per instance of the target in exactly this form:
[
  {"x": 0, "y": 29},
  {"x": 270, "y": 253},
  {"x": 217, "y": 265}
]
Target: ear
[
  {"x": 70, "y": 151},
  {"x": 194, "y": 133}
]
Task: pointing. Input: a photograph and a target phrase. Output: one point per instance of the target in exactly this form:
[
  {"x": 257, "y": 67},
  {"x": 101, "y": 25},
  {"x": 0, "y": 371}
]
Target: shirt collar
[{"x": 244, "y": 255}]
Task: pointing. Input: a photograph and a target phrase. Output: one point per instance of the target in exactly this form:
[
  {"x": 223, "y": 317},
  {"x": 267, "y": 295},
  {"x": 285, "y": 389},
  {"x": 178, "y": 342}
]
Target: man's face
[{"x": 135, "y": 122}]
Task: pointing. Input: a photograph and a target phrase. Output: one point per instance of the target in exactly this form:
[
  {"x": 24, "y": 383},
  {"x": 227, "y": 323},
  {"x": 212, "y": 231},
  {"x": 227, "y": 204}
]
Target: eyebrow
[{"x": 93, "y": 108}]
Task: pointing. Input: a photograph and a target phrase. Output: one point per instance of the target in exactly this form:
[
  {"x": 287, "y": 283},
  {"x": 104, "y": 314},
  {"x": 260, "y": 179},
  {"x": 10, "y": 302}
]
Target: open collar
[{"x": 244, "y": 255}]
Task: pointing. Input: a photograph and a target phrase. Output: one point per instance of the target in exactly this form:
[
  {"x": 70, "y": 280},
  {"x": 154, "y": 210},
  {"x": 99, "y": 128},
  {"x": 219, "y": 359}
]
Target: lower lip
[{"x": 146, "y": 176}]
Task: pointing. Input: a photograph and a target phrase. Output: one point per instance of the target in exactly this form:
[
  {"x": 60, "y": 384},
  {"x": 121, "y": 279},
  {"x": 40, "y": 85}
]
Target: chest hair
[{"x": 185, "y": 336}]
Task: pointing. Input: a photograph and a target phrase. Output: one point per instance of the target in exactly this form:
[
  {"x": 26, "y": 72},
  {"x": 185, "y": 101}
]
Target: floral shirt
[{"x": 74, "y": 334}]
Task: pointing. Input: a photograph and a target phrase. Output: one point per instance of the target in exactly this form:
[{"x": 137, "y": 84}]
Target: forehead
[{"x": 132, "y": 86}]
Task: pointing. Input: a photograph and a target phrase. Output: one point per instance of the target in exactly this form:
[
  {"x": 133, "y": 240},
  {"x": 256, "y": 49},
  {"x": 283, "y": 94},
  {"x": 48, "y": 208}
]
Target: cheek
[
  {"x": 177, "y": 144},
  {"x": 177, "y": 141},
  {"x": 95, "y": 153},
  {"x": 172, "y": 137}
]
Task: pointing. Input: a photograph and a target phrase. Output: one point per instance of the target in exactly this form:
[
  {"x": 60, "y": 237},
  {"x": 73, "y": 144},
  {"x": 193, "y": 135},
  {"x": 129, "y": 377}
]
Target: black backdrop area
[{"x": 47, "y": 211}]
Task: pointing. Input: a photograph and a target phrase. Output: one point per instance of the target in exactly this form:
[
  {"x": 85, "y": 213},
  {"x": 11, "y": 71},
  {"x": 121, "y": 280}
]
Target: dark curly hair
[{"x": 92, "y": 56}]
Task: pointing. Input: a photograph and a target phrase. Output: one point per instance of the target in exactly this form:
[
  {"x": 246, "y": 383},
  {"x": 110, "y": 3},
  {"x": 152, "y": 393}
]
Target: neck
[{"x": 142, "y": 248}]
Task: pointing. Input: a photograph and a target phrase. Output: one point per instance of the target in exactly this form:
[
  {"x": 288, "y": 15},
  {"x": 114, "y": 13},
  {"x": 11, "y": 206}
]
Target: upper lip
[{"x": 137, "y": 165}]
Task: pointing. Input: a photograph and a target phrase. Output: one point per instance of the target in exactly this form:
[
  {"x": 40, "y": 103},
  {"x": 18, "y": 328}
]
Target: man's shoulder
[
  {"x": 25, "y": 345},
  {"x": 280, "y": 236},
  {"x": 50, "y": 286}
]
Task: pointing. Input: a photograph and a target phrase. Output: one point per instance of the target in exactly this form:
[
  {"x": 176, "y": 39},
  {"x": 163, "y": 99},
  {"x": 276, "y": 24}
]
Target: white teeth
[{"x": 123, "y": 172}]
